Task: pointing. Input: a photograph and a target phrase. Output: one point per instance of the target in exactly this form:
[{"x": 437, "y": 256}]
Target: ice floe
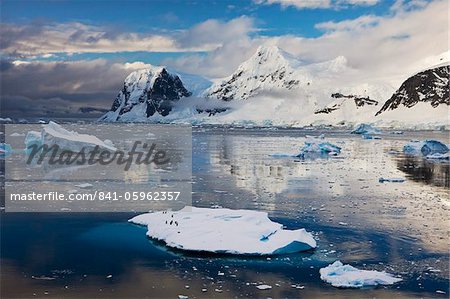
[
  {"x": 439, "y": 156},
  {"x": 425, "y": 148},
  {"x": 346, "y": 276},
  {"x": 263, "y": 287},
  {"x": 391, "y": 180},
  {"x": 368, "y": 136},
  {"x": 222, "y": 230},
  {"x": 54, "y": 134}
]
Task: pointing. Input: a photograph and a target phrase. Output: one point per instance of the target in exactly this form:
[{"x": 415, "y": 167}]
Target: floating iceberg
[
  {"x": 54, "y": 134},
  {"x": 365, "y": 129},
  {"x": 425, "y": 148},
  {"x": 316, "y": 146},
  {"x": 243, "y": 232},
  {"x": 346, "y": 276},
  {"x": 439, "y": 156},
  {"x": 367, "y": 136},
  {"x": 5, "y": 150},
  {"x": 391, "y": 180}
]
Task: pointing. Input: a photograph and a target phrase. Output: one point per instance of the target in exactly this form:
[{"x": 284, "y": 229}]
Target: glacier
[
  {"x": 239, "y": 232},
  {"x": 346, "y": 276}
]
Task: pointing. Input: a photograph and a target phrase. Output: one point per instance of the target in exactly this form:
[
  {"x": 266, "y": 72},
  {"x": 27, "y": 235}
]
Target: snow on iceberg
[
  {"x": 54, "y": 134},
  {"x": 425, "y": 148},
  {"x": 346, "y": 276},
  {"x": 222, "y": 230},
  {"x": 365, "y": 129}
]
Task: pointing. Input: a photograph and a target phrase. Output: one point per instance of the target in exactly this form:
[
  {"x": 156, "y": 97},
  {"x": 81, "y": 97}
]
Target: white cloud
[
  {"x": 46, "y": 39},
  {"x": 313, "y": 4},
  {"x": 378, "y": 46},
  {"x": 359, "y": 23}
]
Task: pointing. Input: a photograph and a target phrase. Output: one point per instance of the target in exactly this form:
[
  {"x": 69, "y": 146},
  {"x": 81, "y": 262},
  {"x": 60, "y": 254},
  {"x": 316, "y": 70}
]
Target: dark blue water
[{"x": 400, "y": 228}]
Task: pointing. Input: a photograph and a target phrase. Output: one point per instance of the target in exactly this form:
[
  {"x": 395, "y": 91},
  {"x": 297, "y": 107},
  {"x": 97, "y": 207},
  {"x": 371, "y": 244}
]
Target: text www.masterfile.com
[{"x": 97, "y": 196}]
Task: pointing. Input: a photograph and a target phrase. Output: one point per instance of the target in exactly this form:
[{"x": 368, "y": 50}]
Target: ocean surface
[{"x": 400, "y": 228}]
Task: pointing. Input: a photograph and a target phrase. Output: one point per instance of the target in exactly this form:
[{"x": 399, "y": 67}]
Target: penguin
[{"x": 171, "y": 221}]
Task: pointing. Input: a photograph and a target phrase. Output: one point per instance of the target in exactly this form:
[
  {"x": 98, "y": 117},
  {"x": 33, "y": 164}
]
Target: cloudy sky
[{"x": 63, "y": 58}]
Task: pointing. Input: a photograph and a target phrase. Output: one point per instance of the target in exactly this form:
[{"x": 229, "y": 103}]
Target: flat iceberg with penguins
[
  {"x": 225, "y": 231},
  {"x": 274, "y": 88}
]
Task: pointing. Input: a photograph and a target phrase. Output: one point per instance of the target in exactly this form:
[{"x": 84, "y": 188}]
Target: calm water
[{"x": 398, "y": 227}]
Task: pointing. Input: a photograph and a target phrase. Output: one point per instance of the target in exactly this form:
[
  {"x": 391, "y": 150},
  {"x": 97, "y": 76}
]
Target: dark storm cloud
[{"x": 59, "y": 88}]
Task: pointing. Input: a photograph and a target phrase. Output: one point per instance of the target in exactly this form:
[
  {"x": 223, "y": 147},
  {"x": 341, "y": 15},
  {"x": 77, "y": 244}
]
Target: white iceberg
[
  {"x": 54, "y": 134},
  {"x": 365, "y": 129},
  {"x": 317, "y": 146},
  {"x": 229, "y": 231},
  {"x": 346, "y": 276},
  {"x": 425, "y": 148}
]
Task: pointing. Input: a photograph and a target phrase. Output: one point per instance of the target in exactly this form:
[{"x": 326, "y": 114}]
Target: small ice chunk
[
  {"x": 183, "y": 297},
  {"x": 368, "y": 136},
  {"x": 391, "y": 180},
  {"x": 365, "y": 129},
  {"x": 5, "y": 149},
  {"x": 425, "y": 148},
  {"x": 346, "y": 276},
  {"x": 439, "y": 156},
  {"x": 15, "y": 134},
  {"x": 264, "y": 287},
  {"x": 84, "y": 186},
  {"x": 222, "y": 230}
]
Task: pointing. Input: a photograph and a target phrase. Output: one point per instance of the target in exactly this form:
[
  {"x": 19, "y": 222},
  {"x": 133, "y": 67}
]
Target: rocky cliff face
[
  {"x": 360, "y": 101},
  {"x": 430, "y": 86},
  {"x": 146, "y": 93}
]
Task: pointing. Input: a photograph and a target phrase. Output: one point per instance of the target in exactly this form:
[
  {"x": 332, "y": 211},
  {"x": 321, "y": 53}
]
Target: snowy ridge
[
  {"x": 272, "y": 69},
  {"x": 146, "y": 92}
]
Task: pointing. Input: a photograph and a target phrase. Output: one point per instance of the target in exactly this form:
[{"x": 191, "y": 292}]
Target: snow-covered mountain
[
  {"x": 151, "y": 91},
  {"x": 431, "y": 86},
  {"x": 270, "y": 69},
  {"x": 273, "y": 87}
]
